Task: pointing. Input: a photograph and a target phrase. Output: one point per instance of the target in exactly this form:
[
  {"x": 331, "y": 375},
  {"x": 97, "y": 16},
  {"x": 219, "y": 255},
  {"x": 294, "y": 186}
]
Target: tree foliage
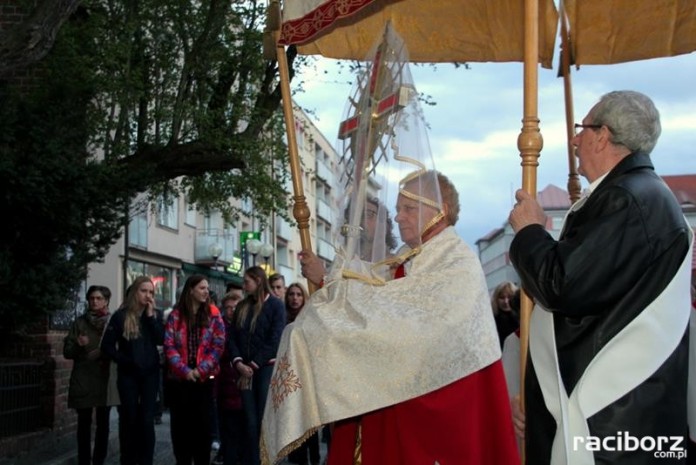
[{"x": 136, "y": 96}]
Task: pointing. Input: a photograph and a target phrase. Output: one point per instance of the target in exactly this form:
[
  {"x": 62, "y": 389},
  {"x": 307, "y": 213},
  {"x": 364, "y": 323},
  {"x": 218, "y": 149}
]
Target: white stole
[{"x": 639, "y": 349}]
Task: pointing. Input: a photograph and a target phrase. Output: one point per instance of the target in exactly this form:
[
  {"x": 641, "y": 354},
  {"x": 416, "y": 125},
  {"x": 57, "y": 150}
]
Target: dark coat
[
  {"x": 227, "y": 393},
  {"x": 136, "y": 357},
  {"x": 90, "y": 375},
  {"x": 258, "y": 347},
  {"x": 616, "y": 255}
]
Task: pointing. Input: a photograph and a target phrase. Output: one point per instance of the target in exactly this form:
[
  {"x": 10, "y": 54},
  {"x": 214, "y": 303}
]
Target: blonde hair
[
  {"x": 503, "y": 288},
  {"x": 131, "y": 323}
]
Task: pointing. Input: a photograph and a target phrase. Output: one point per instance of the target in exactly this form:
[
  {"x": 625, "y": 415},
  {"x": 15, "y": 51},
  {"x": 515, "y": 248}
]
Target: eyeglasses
[{"x": 579, "y": 127}]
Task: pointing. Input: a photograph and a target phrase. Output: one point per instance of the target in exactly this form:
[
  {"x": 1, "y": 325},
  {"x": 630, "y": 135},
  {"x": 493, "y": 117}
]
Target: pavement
[
  {"x": 163, "y": 443},
  {"x": 66, "y": 454}
]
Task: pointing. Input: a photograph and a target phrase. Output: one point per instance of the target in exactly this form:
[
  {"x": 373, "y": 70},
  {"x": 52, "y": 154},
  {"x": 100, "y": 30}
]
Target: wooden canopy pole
[
  {"x": 300, "y": 208},
  {"x": 529, "y": 144},
  {"x": 573, "y": 178}
]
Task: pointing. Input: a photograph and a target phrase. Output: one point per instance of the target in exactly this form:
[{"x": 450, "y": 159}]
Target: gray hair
[{"x": 631, "y": 117}]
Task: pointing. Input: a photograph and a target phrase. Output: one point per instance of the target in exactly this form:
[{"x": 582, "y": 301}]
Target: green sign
[{"x": 246, "y": 235}]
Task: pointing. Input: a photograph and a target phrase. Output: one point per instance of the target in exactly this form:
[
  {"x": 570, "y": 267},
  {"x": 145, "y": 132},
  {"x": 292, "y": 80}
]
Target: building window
[
  {"x": 190, "y": 215},
  {"x": 137, "y": 230},
  {"x": 168, "y": 212},
  {"x": 232, "y": 237},
  {"x": 162, "y": 277},
  {"x": 282, "y": 255},
  {"x": 323, "y": 231},
  {"x": 247, "y": 205}
]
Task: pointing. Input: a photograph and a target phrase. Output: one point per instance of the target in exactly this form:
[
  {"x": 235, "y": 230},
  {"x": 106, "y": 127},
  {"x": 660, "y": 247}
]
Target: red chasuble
[{"x": 465, "y": 423}]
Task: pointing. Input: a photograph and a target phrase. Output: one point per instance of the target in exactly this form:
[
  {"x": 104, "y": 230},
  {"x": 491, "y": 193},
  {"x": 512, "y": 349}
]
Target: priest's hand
[
  {"x": 518, "y": 419},
  {"x": 312, "y": 267},
  {"x": 526, "y": 211}
]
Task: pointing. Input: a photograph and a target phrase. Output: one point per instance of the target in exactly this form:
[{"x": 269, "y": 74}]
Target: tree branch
[
  {"x": 189, "y": 159},
  {"x": 29, "y": 41}
]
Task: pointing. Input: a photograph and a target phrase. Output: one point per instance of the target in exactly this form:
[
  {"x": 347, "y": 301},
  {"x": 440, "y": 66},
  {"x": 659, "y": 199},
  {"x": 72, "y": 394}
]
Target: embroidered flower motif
[{"x": 284, "y": 381}]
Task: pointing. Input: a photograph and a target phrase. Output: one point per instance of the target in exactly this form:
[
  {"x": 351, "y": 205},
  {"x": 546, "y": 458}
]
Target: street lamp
[
  {"x": 215, "y": 250},
  {"x": 266, "y": 251},
  {"x": 253, "y": 246}
]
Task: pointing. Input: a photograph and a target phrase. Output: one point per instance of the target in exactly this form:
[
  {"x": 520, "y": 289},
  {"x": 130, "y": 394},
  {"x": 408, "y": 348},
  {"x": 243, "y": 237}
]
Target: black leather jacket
[{"x": 615, "y": 255}]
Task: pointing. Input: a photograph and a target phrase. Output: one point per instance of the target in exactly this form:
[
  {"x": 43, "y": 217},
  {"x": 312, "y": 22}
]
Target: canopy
[
  {"x": 617, "y": 31},
  {"x": 433, "y": 30},
  {"x": 601, "y": 31}
]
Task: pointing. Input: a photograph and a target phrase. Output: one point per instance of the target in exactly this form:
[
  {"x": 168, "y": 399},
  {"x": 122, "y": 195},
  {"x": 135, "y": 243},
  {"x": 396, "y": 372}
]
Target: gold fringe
[
  {"x": 376, "y": 280},
  {"x": 373, "y": 280},
  {"x": 431, "y": 203},
  {"x": 357, "y": 453},
  {"x": 411, "y": 176},
  {"x": 421, "y": 167},
  {"x": 436, "y": 219},
  {"x": 285, "y": 451}
]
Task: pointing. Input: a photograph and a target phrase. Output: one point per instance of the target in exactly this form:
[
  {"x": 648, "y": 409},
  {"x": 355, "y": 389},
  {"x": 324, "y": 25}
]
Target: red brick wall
[{"x": 41, "y": 344}]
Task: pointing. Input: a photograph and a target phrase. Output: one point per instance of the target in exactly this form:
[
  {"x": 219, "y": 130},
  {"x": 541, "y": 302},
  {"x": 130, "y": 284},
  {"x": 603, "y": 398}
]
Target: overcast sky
[{"x": 477, "y": 118}]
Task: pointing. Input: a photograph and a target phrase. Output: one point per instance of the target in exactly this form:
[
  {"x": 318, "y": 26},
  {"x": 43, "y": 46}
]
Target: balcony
[
  {"x": 324, "y": 210},
  {"x": 325, "y": 250},
  {"x": 288, "y": 273},
  {"x": 283, "y": 229},
  {"x": 206, "y": 238},
  {"x": 325, "y": 173}
]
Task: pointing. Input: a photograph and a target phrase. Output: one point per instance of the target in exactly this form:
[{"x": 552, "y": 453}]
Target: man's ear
[{"x": 602, "y": 139}]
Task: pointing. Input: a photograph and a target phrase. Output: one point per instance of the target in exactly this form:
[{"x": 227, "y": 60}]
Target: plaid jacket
[{"x": 211, "y": 345}]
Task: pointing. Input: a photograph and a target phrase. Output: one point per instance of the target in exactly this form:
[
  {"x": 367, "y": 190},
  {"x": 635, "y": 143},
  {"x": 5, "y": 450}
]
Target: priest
[{"x": 408, "y": 369}]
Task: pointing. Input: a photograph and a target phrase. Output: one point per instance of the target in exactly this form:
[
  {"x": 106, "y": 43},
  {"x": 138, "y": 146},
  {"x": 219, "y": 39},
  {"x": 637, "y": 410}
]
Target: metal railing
[{"x": 20, "y": 397}]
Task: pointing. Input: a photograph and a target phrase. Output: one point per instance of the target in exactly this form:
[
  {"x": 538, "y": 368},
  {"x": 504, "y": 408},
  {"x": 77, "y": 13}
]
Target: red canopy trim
[{"x": 302, "y": 29}]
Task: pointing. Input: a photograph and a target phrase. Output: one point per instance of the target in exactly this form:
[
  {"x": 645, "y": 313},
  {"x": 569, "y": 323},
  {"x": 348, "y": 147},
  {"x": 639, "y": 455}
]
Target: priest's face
[{"x": 412, "y": 216}]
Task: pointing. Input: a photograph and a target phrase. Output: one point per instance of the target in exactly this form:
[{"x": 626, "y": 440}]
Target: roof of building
[
  {"x": 553, "y": 198},
  {"x": 684, "y": 188},
  {"x": 490, "y": 235}
]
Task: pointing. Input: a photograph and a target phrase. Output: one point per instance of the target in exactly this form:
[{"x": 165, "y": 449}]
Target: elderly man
[
  {"x": 608, "y": 348},
  {"x": 409, "y": 370}
]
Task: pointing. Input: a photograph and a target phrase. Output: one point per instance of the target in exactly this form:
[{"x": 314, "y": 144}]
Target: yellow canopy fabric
[
  {"x": 617, "y": 31},
  {"x": 601, "y": 31},
  {"x": 434, "y": 30}
]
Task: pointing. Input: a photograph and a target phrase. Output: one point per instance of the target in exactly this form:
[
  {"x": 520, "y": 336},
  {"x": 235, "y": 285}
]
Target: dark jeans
[
  {"x": 189, "y": 411},
  {"x": 214, "y": 420},
  {"x": 84, "y": 435},
  {"x": 254, "y": 401},
  {"x": 231, "y": 431},
  {"x": 136, "y": 426},
  {"x": 311, "y": 445}
]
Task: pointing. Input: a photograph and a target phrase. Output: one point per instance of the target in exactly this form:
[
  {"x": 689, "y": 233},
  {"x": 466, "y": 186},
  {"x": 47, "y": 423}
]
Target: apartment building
[
  {"x": 493, "y": 247},
  {"x": 172, "y": 240}
]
